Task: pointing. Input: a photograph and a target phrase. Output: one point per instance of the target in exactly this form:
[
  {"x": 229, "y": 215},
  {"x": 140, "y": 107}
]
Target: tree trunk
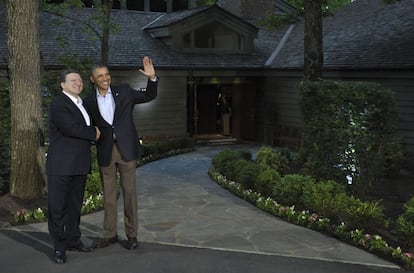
[
  {"x": 313, "y": 43},
  {"x": 25, "y": 99}
]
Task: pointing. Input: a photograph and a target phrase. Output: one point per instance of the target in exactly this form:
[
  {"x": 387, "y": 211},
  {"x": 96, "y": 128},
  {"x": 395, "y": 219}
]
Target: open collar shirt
[
  {"x": 78, "y": 102},
  {"x": 106, "y": 105}
]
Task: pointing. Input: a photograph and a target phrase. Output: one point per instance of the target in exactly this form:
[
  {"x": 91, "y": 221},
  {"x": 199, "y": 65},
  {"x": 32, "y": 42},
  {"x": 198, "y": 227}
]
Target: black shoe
[
  {"x": 59, "y": 257},
  {"x": 106, "y": 242},
  {"x": 80, "y": 247},
  {"x": 132, "y": 243}
]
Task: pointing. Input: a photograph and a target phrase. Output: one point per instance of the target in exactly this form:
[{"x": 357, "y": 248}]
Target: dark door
[
  {"x": 243, "y": 113},
  {"x": 206, "y": 109}
]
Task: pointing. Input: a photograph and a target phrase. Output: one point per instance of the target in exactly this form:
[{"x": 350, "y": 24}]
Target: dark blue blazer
[
  {"x": 123, "y": 124},
  {"x": 70, "y": 139}
]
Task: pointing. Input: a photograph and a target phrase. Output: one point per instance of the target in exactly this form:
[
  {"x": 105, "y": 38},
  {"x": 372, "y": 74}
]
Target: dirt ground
[{"x": 10, "y": 205}]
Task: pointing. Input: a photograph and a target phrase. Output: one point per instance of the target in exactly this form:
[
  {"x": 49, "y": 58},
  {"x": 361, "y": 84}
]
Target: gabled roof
[
  {"x": 129, "y": 45},
  {"x": 184, "y": 16},
  {"x": 363, "y": 34},
  {"x": 189, "y": 19}
]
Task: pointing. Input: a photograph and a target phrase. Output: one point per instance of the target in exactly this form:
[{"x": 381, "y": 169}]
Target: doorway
[
  {"x": 213, "y": 110},
  {"x": 221, "y": 110}
]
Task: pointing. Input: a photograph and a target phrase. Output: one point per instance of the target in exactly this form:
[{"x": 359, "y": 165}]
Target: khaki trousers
[{"x": 127, "y": 172}]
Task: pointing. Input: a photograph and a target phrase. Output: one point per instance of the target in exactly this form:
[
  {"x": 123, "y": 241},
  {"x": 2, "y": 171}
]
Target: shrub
[
  {"x": 368, "y": 215},
  {"x": 223, "y": 161},
  {"x": 325, "y": 198},
  {"x": 266, "y": 180},
  {"x": 349, "y": 130},
  {"x": 405, "y": 225},
  {"x": 273, "y": 158},
  {"x": 289, "y": 189},
  {"x": 245, "y": 173},
  {"x": 162, "y": 147},
  {"x": 93, "y": 183}
]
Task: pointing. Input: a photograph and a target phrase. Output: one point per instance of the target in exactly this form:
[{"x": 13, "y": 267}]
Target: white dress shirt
[
  {"x": 78, "y": 102},
  {"x": 106, "y": 105}
]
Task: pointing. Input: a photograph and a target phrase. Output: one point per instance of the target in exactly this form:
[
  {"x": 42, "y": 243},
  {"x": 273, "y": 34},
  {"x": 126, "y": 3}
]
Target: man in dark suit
[
  {"x": 111, "y": 109},
  {"x": 67, "y": 165}
]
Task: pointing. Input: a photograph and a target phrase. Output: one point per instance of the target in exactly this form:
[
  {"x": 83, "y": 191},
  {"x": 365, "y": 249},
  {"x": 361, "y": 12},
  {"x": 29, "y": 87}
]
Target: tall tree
[
  {"x": 313, "y": 44},
  {"x": 312, "y": 11},
  {"x": 25, "y": 98},
  {"x": 97, "y": 26}
]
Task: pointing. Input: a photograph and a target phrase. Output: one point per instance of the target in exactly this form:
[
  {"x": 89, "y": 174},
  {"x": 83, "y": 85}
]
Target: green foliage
[
  {"x": 245, "y": 173},
  {"x": 325, "y": 198},
  {"x": 273, "y": 158},
  {"x": 278, "y": 21},
  {"x": 161, "y": 149},
  {"x": 349, "y": 130},
  {"x": 91, "y": 28},
  {"x": 93, "y": 196},
  {"x": 405, "y": 225},
  {"x": 266, "y": 180},
  {"x": 4, "y": 138},
  {"x": 25, "y": 216},
  {"x": 289, "y": 189},
  {"x": 368, "y": 214},
  {"x": 223, "y": 161},
  {"x": 326, "y": 207}
]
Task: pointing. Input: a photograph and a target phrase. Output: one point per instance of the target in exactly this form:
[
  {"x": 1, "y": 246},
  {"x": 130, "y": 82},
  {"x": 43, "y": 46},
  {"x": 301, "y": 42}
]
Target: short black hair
[
  {"x": 65, "y": 73},
  {"x": 94, "y": 67}
]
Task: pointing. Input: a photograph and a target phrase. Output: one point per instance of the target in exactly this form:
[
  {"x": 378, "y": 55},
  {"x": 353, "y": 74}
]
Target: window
[{"x": 213, "y": 36}]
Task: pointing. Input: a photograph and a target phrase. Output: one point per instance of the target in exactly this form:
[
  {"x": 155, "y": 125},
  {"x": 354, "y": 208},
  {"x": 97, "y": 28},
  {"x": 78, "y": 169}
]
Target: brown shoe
[
  {"x": 131, "y": 244},
  {"x": 106, "y": 242}
]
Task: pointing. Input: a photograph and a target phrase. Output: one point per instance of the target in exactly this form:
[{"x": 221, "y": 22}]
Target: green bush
[
  {"x": 368, "y": 215},
  {"x": 405, "y": 225},
  {"x": 161, "y": 149},
  {"x": 325, "y": 198},
  {"x": 349, "y": 130},
  {"x": 93, "y": 183},
  {"x": 273, "y": 158},
  {"x": 223, "y": 161},
  {"x": 245, "y": 173},
  {"x": 289, "y": 190},
  {"x": 266, "y": 180}
]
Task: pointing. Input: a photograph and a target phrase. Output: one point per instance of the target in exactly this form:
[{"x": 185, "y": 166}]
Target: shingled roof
[{"x": 364, "y": 34}]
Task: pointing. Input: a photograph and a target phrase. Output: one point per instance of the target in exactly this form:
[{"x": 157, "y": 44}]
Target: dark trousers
[{"x": 65, "y": 197}]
